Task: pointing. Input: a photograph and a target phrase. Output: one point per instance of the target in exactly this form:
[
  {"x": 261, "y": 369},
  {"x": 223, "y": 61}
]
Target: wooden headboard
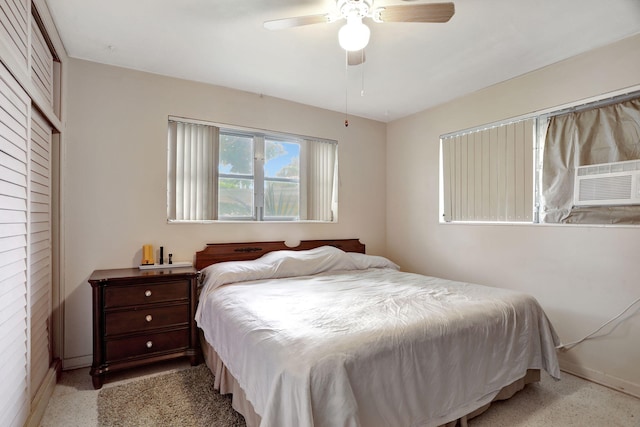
[{"x": 220, "y": 252}]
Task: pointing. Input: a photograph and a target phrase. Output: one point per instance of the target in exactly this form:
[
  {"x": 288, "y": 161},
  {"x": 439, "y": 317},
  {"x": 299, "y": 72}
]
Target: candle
[{"x": 147, "y": 255}]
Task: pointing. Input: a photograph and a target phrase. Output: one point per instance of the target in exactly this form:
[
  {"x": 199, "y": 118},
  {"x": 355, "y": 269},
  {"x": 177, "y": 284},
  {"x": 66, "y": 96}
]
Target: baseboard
[
  {"x": 42, "y": 396},
  {"x": 77, "y": 362},
  {"x": 601, "y": 378}
]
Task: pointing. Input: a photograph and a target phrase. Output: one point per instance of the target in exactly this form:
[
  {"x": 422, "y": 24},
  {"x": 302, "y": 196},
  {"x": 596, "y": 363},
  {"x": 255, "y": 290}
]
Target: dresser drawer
[
  {"x": 147, "y": 344},
  {"x": 142, "y": 317},
  {"x": 148, "y": 293},
  {"x": 146, "y": 318}
]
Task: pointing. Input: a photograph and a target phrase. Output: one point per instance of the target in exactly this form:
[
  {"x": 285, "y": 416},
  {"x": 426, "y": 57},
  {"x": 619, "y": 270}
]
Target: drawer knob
[
  {"x": 149, "y": 344},
  {"x": 148, "y": 318},
  {"x": 147, "y": 293}
]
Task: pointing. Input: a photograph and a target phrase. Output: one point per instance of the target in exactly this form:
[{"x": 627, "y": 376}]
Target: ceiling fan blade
[
  {"x": 430, "y": 12},
  {"x": 355, "y": 57},
  {"x": 297, "y": 21}
]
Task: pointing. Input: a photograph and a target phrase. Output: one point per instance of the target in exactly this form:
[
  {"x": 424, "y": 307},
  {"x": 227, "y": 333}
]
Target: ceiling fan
[{"x": 354, "y": 35}]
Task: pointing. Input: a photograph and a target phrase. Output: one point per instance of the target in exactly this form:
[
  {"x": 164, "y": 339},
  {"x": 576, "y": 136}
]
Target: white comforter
[{"x": 372, "y": 347}]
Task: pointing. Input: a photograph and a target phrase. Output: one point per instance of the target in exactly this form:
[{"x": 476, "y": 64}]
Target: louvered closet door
[
  {"x": 41, "y": 63},
  {"x": 14, "y": 164},
  {"x": 14, "y": 23},
  {"x": 40, "y": 248}
]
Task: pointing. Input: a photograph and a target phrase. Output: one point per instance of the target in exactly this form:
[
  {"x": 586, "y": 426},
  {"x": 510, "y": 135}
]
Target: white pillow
[
  {"x": 312, "y": 261},
  {"x": 372, "y": 261},
  {"x": 277, "y": 264}
]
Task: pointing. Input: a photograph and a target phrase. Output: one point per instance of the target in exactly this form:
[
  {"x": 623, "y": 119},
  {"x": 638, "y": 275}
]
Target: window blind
[
  {"x": 192, "y": 171},
  {"x": 322, "y": 186},
  {"x": 199, "y": 187},
  {"x": 14, "y": 166},
  {"x": 40, "y": 249},
  {"x": 488, "y": 173}
]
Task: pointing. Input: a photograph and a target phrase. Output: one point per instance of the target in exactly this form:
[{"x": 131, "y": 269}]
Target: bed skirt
[{"x": 226, "y": 383}]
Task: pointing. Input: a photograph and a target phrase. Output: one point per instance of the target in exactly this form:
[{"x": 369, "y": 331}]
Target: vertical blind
[
  {"x": 192, "y": 171},
  {"x": 488, "y": 174},
  {"x": 322, "y": 186},
  {"x": 14, "y": 166}
]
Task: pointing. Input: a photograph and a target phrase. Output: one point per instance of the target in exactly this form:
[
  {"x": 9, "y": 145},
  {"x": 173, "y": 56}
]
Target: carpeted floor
[
  {"x": 180, "y": 395},
  {"x": 183, "y": 398}
]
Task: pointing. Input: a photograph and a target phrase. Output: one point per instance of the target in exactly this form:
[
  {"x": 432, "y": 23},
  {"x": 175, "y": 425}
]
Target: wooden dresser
[{"x": 142, "y": 316}]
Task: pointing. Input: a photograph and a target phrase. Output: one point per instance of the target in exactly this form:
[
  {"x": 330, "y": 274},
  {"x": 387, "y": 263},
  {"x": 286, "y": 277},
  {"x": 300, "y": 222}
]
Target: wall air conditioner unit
[{"x": 607, "y": 184}]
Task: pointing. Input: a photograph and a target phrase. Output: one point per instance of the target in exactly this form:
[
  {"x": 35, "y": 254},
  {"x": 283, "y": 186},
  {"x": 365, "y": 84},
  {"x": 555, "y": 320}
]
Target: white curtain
[
  {"x": 193, "y": 160},
  {"x": 322, "y": 180}
]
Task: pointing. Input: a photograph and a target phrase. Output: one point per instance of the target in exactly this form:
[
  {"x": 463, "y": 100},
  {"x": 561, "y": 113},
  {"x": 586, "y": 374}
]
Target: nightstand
[{"x": 141, "y": 317}]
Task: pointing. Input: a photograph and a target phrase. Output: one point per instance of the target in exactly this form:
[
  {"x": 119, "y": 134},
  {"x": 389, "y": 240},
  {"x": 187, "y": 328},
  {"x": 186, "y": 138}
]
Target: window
[
  {"x": 228, "y": 173},
  {"x": 281, "y": 179},
  {"x": 606, "y": 136},
  {"x": 235, "y": 177},
  {"x": 278, "y": 195},
  {"x": 488, "y": 173},
  {"x": 524, "y": 170}
]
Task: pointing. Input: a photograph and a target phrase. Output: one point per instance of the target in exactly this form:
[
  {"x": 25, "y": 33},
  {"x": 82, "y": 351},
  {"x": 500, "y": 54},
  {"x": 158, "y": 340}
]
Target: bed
[{"x": 324, "y": 335}]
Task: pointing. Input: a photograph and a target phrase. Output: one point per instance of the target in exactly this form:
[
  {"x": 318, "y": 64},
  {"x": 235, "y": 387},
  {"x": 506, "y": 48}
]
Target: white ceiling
[{"x": 409, "y": 66}]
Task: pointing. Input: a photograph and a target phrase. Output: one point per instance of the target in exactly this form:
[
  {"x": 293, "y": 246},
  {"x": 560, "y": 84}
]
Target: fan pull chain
[
  {"x": 362, "y": 74},
  {"x": 346, "y": 89}
]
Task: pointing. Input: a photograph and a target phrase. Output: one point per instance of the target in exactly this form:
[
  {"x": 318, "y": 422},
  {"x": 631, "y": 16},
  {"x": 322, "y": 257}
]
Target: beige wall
[
  {"x": 582, "y": 275},
  {"x": 114, "y": 170},
  {"x": 114, "y": 190}
]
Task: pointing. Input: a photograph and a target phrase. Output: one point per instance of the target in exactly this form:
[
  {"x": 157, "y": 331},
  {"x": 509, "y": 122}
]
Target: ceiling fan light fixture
[{"x": 354, "y": 35}]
